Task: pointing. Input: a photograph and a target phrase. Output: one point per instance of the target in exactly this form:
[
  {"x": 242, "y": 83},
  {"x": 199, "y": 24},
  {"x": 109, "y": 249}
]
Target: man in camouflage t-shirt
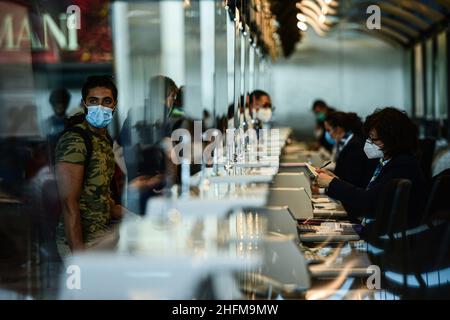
[{"x": 84, "y": 186}]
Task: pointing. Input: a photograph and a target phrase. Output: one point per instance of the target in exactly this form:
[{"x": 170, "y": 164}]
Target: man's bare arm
[
  {"x": 119, "y": 212},
  {"x": 70, "y": 182},
  {"x": 116, "y": 211}
]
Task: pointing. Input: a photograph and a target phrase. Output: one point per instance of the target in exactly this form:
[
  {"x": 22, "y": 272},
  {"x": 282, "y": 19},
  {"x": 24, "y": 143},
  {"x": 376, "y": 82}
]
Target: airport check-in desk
[{"x": 234, "y": 237}]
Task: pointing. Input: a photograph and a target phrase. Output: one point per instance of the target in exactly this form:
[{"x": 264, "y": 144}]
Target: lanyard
[
  {"x": 377, "y": 172},
  {"x": 343, "y": 143}
]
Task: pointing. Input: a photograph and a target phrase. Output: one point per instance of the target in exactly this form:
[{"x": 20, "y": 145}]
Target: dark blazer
[
  {"x": 352, "y": 164},
  {"x": 360, "y": 202}
]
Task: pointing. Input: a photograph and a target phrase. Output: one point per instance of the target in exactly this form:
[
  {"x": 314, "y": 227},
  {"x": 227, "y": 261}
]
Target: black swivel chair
[
  {"x": 438, "y": 205},
  {"x": 427, "y": 148},
  {"x": 420, "y": 256},
  {"x": 391, "y": 213},
  {"x": 429, "y": 252},
  {"x": 388, "y": 232}
]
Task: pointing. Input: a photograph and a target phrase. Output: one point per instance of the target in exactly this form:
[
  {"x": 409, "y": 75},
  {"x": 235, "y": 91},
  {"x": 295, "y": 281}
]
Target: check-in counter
[{"x": 238, "y": 228}]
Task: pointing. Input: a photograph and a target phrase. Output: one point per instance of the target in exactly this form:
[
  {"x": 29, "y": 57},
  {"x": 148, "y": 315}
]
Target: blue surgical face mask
[
  {"x": 329, "y": 138},
  {"x": 99, "y": 116}
]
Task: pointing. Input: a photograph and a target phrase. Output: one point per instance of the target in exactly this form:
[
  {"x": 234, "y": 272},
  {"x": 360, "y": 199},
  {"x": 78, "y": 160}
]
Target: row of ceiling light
[{"x": 316, "y": 14}]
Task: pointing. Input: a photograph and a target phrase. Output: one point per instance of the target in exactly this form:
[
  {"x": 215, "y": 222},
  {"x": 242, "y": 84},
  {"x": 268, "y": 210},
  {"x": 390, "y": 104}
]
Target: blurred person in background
[
  {"x": 59, "y": 100},
  {"x": 321, "y": 110},
  {"x": 177, "y": 110},
  {"x": 149, "y": 169},
  {"x": 152, "y": 129},
  {"x": 261, "y": 107},
  {"x": 351, "y": 163},
  {"x": 54, "y": 125}
]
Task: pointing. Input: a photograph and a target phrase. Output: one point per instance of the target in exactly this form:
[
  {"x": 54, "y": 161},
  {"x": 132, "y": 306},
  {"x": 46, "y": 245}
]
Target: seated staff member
[
  {"x": 321, "y": 110},
  {"x": 393, "y": 137},
  {"x": 352, "y": 164}
]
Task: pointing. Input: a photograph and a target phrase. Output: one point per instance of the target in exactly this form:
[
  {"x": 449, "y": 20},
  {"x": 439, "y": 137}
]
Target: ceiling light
[{"x": 302, "y": 26}]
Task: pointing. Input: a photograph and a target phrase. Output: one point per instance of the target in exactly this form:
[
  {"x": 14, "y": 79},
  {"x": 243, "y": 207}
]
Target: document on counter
[
  {"x": 326, "y": 206},
  {"x": 322, "y": 200},
  {"x": 312, "y": 170},
  {"x": 328, "y": 212}
]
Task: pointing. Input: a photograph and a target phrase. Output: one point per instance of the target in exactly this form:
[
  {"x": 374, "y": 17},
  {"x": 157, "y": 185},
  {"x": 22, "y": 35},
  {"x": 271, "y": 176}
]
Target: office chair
[
  {"x": 441, "y": 160},
  {"x": 426, "y": 154},
  {"x": 391, "y": 212},
  {"x": 390, "y": 222},
  {"x": 438, "y": 205},
  {"x": 429, "y": 250},
  {"x": 429, "y": 262},
  {"x": 415, "y": 261}
]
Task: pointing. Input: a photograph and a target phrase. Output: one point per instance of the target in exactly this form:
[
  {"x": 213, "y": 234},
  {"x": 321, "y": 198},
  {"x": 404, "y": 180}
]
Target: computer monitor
[
  {"x": 280, "y": 220},
  {"x": 297, "y": 199},
  {"x": 291, "y": 180}
]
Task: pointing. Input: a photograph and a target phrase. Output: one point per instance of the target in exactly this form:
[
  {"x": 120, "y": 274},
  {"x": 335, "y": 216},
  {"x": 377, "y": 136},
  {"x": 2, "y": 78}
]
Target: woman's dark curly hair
[
  {"x": 350, "y": 122},
  {"x": 395, "y": 129}
]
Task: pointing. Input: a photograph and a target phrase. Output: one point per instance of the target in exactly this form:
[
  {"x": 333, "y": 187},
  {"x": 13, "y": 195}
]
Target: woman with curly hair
[{"x": 392, "y": 137}]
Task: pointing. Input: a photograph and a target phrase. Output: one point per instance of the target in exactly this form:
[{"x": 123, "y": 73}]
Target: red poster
[{"x": 42, "y": 34}]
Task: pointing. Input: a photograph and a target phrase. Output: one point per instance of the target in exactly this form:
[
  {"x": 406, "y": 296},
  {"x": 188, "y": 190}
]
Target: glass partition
[
  {"x": 419, "y": 108},
  {"x": 173, "y": 62},
  {"x": 193, "y": 56},
  {"x": 251, "y": 67},
  {"x": 231, "y": 63},
  {"x": 441, "y": 92},
  {"x": 238, "y": 72},
  {"x": 221, "y": 88},
  {"x": 208, "y": 50},
  {"x": 430, "y": 79}
]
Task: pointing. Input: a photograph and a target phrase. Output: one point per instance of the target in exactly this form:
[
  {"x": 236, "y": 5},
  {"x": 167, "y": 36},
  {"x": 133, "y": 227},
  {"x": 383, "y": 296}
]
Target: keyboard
[
  {"x": 327, "y": 231},
  {"x": 304, "y": 228},
  {"x": 313, "y": 258}
]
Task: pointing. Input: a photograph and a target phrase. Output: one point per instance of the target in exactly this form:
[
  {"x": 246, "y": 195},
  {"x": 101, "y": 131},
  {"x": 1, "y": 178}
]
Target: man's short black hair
[
  {"x": 161, "y": 86},
  {"x": 319, "y": 103},
  {"x": 395, "y": 129},
  {"x": 257, "y": 94},
  {"x": 350, "y": 121},
  {"x": 99, "y": 81},
  {"x": 60, "y": 95}
]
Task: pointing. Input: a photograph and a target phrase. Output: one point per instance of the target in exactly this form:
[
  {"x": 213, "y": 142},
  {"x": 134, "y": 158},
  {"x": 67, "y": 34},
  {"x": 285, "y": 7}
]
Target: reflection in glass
[
  {"x": 231, "y": 56},
  {"x": 419, "y": 107},
  {"x": 237, "y": 69},
  {"x": 441, "y": 95},
  {"x": 220, "y": 65},
  {"x": 430, "y": 80}
]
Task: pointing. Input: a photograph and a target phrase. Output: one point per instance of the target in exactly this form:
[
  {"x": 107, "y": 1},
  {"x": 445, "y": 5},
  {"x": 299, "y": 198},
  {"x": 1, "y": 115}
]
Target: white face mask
[
  {"x": 373, "y": 151},
  {"x": 264, "y": 114}
]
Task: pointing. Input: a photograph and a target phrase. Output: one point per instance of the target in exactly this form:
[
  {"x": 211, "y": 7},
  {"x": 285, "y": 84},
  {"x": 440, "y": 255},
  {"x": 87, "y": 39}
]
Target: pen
[{"x": 326, "y": 164}]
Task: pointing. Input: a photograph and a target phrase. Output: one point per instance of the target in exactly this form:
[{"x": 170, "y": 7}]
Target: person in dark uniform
[
  {"x": 352, "y": 164},
  {"x": 393, "y": 138},
  {"x": 59, "y": 100},
  {"x": 321, "y": 110}
]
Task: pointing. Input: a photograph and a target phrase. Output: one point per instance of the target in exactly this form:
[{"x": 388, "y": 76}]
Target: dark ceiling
[{"x": 403, "y": 22}]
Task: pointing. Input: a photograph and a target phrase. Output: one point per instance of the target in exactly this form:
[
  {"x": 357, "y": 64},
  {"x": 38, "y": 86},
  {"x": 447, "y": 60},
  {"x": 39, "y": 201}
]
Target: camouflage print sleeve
[{"x": 71, "y": 149}]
